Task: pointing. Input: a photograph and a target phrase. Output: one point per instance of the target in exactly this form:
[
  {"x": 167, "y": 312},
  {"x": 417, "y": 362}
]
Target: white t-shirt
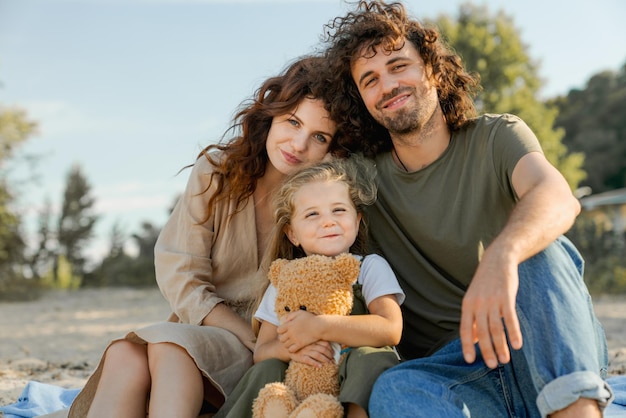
[{"x": 376, "y": 277}]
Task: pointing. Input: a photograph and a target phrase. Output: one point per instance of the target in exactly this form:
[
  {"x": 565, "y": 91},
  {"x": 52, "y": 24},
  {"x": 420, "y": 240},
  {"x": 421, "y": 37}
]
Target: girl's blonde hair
[{"x": 358, "y": 173}]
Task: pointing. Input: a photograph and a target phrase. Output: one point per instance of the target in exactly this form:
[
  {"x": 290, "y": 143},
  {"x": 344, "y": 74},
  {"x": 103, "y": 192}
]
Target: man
[{"x": 470, "y": 214}]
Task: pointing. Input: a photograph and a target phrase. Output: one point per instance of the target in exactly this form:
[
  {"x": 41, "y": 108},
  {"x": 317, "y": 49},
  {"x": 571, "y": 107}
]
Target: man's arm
[{"x": 546, "y": 209}]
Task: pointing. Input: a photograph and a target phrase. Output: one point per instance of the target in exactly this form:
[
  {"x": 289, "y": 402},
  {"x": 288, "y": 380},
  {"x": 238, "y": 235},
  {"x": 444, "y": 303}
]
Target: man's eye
[{"x": 369, "y": 81}]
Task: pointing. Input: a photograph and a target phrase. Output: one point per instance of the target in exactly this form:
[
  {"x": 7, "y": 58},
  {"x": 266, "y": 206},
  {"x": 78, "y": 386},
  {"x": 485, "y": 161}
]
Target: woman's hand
[{"x": 223, "y": 317}]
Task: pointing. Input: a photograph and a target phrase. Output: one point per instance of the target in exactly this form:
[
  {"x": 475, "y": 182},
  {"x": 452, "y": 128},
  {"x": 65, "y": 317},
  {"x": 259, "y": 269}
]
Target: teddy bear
[{"x": 323, "y": 286}]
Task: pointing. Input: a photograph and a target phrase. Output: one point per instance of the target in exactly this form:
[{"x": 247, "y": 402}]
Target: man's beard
[{"x": 403, "y": 122}]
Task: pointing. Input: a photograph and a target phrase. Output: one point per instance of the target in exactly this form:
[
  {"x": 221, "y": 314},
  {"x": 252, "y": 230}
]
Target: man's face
[{"x": 396, "y": 88}]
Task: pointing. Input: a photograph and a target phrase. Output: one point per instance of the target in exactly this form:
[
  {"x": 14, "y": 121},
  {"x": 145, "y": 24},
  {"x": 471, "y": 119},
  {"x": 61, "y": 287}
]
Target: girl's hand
[
  {"x": 315, "y": 355},
  {"x": 297, "y": 331}
]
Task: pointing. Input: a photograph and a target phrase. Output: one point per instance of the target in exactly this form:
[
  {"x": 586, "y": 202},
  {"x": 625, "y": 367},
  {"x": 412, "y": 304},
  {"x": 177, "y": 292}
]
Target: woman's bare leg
[
  {"x": 177, "y": 386},
  {"x": 124, "y": 384}
]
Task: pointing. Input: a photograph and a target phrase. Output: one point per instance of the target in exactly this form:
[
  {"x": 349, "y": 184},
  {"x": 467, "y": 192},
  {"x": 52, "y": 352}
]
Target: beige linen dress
[{"x": 199, "y": 265}]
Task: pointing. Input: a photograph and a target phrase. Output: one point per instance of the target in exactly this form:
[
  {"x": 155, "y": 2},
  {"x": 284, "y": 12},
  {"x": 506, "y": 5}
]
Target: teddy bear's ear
[
  {"x": 348, "y": 266},
  {"x": 275, "y": 269}
]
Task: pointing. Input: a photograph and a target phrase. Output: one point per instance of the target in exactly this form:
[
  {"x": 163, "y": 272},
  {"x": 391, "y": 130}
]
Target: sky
[{"x": 132, "y": 90}]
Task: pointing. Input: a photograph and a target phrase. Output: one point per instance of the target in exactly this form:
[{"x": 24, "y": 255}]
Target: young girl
[
  {"x": 319, "y": 210},
  {"x": 208, "y": 256}
]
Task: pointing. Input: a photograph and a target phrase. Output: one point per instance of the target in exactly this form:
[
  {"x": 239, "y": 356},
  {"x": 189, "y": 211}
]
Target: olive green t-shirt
[{"x": 433, "y": 224}]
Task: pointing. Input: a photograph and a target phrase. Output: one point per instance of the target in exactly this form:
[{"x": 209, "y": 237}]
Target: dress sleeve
[{"x": 183, "y": 251}]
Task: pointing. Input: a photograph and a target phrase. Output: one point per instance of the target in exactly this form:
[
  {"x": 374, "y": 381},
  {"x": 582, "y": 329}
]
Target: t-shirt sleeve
[
  {"x": 512, "y": 139},
  {"x": 378, "y": 279},
  {"x": 265, "y": 311}
]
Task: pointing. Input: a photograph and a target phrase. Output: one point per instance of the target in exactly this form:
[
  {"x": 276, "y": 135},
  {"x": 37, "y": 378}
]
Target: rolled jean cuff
[{"x": 565, "y": 390}]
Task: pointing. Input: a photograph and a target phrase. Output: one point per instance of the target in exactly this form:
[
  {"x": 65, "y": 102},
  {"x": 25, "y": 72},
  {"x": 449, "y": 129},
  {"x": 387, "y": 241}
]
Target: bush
[{"x": 604, "y": 253}]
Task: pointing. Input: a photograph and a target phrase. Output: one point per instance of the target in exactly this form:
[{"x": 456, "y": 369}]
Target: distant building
[{"x": 608, "y": 208}]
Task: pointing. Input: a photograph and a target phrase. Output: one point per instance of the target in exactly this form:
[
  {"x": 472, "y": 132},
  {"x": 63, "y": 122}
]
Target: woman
[{"x": 208, "y": 255}]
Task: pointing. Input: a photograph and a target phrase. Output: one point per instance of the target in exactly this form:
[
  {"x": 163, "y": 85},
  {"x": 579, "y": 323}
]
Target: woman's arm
[
  {"x": 184, "y": 264},
  {"x": 223, "y": 317}
]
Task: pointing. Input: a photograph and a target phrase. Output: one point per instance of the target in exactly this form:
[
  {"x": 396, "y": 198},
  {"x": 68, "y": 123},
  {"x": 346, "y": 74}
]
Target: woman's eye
[
  {"x": 293, "y": 122},
  {"x": 320, "y": 138}
]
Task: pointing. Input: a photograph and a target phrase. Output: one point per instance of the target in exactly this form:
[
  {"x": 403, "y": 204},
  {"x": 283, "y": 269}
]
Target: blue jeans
[{"x": 564, "y": 356}]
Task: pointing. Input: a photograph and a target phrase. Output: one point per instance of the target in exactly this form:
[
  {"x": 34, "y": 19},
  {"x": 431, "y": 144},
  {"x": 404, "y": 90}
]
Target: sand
[{"x": 59, "y": 339}]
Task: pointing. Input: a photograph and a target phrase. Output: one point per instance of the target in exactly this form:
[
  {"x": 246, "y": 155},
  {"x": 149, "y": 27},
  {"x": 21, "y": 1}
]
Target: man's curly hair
[{"x": 375, "y": 27}]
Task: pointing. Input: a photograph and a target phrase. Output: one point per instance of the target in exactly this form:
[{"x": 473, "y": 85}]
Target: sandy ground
[{"x": 59, "y": 339}]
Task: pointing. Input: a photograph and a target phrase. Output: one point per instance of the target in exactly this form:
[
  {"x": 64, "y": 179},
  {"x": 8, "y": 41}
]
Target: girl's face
[
  {"x": 325, "y": 220},
  {"x": 300, "y": 137}
]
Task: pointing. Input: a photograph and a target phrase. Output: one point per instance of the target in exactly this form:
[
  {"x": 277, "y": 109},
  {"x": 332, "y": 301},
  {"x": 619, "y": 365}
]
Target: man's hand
[{"x": 488, "y": 307}]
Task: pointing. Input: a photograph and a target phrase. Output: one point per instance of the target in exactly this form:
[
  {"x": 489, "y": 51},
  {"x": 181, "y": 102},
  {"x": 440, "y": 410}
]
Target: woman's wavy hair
[
  {"x": 240, "y": 161},
  {"x": 376, "y": 27}
]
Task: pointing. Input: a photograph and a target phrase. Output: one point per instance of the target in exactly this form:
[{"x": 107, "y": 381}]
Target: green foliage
[
  {"x": 62, "y": 276},
  {"x": 15, "y": 128},
  {"x": 603, "y": 251},
  {"x": 11, "y": 242},
  {"x": 119, "y": 268},
  {"x": 595, "y": 125},
  {"x": 491, "y": 46}
]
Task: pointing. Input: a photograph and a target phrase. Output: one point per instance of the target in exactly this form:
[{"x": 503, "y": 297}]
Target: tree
[
  {"x": 594, "y": 123},
  {"x": 43, "y": 255},
  {"x": 15, "y": 129},
  {"x": 120, "y": 269},
  {"x": 76, "y": 222},
  {"x": 491, "y": 46}
]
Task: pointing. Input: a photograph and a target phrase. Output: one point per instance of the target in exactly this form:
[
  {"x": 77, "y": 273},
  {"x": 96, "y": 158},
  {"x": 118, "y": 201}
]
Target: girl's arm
[
  {"x": 268, "y": 346},
  {"x": 381, "y": 327}
]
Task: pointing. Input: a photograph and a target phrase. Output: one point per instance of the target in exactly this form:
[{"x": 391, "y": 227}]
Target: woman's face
[{"x": 300, "y": 137}]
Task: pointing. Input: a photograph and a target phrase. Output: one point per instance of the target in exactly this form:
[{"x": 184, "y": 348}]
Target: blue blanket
[
  {"x": 618, "y": 407},
  {"x": 41, "y": 398}
]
